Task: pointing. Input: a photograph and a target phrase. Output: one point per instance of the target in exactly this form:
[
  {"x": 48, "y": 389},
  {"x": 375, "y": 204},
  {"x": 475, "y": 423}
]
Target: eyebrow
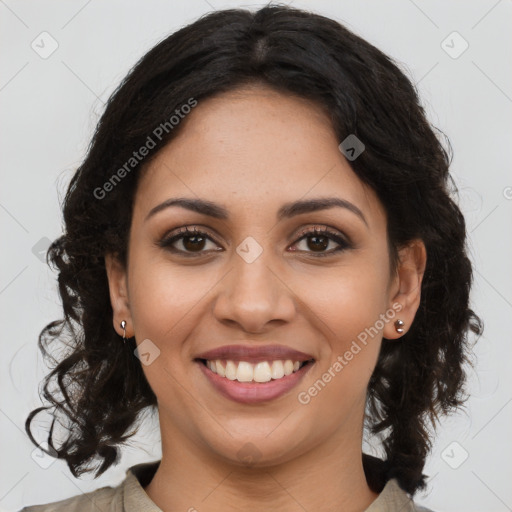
[{"x": 286, "y": 211}]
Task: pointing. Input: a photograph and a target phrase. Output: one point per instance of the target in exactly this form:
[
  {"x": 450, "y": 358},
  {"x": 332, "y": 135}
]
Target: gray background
[{"x": 50, "y": 106}]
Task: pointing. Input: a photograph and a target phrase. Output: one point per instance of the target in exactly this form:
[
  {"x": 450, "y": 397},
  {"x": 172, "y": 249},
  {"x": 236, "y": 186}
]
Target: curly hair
[{"x": 98, "y": 387}]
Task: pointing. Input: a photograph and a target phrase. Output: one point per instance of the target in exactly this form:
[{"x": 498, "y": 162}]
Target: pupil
[
  {"x": 194, "y": 245},
  {"x": 316, "y": 245}
]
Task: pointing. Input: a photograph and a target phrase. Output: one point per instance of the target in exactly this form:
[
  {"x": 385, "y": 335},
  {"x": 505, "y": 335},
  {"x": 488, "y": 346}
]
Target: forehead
[{"x": 253, "y": 149}]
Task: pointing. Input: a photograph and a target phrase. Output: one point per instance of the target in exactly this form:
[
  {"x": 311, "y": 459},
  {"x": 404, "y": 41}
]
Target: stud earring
[
  {"x": 399, "y": 326},
  {"x": 123, "y": 326}
]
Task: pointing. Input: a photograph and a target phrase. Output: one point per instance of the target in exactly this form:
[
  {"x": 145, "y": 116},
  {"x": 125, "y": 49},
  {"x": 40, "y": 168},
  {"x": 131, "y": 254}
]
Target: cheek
[
  {"x": 349, "y": 306},
  {"x": 349, "y": 302},
  {"x": 166, "y": 303},
  {"x": 348, "y": 299},
  {"x": 165, "y": 295}
]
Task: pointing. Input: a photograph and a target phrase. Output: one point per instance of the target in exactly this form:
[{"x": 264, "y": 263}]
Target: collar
[{"x": 391, "y": 496}]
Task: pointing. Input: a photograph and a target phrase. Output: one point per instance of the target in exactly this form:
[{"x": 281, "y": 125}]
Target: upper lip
[{"x": 255, "y": 354}]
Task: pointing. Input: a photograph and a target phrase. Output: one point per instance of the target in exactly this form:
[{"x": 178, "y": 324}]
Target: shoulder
[
  {"x": 129, "y": 495},
  {"x": 106, "y": 499},
  {"x": 393, "y": 498}
]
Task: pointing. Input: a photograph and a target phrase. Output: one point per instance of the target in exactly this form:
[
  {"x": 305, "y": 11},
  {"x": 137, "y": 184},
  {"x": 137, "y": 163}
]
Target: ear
[
  {"x": 405, "y": 289},
  {"x": 117, "y": 282}
]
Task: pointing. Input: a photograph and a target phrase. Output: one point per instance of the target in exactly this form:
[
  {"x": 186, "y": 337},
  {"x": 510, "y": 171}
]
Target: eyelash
[{"x": 167, "y": 241}]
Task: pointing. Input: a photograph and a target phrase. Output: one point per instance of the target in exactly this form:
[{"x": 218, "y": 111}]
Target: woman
[{"x": 260, "y": 244}]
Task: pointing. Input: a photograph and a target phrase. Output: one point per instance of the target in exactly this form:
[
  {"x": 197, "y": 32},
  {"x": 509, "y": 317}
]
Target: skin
[{"x": 252, "y": 150}]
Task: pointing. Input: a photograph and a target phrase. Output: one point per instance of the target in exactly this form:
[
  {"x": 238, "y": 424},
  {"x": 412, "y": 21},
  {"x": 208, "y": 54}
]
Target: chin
[{"x": 257, "y": 451}]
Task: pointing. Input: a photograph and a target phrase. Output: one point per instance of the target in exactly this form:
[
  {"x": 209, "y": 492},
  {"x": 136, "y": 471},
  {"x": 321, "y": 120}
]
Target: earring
[
  {"x": 123, "y": 326},
  {"x": 399, "y": 326}
]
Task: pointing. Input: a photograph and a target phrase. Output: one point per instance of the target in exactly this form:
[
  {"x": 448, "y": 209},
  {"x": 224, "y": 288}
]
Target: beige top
[{"x": 129, "y": 496}]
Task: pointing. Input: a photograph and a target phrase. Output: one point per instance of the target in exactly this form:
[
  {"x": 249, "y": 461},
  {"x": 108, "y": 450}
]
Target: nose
[{"x": 253, "y": 295}]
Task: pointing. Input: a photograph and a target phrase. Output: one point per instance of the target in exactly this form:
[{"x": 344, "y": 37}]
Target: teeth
[
  {"x": 220, "y": 370},
  {"x": 244, "y": 372},
  {"x": 277, "y": 370},
  {"x": 230, "y": 370},
  {"x": 288, "y": 367},
  {"x": 263, "y": 371}
]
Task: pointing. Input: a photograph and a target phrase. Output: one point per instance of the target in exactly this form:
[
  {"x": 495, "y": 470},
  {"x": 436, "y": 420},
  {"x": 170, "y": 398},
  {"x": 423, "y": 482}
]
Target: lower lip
[{"x": 254, "y": 392}]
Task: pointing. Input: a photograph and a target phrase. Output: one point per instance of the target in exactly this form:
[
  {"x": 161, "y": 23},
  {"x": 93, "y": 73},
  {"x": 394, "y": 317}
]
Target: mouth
[
  {"x": 251, "y": 383},
  {"x": 261, "y": 372}
]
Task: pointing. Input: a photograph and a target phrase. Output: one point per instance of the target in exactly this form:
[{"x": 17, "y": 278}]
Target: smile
[
  {"x": 249, "y": 383},
  {"x": 263, "y": 371}
]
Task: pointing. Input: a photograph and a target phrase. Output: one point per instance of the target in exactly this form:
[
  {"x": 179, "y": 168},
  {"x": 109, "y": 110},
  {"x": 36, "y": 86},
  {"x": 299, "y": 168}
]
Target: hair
[{"x": 98, "y": 386}]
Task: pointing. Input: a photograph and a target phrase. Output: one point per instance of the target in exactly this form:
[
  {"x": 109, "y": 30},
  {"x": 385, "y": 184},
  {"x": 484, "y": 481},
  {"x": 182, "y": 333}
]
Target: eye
[
  {"x": 317, "y": 240},
  {"x": 194, "y": 242},
  {"x": 189, "y": 241}
]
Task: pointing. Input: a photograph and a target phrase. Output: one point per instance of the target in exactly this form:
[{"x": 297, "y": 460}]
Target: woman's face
[{"x": 255, "y": 167}]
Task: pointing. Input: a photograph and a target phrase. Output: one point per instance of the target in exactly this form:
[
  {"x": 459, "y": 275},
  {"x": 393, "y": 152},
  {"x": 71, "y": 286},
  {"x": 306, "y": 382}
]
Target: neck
[{"x": 327, "y": 478}]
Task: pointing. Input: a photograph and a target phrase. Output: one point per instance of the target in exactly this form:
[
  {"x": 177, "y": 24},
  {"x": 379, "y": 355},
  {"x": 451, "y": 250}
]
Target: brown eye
[
  {"x": 319, "y": 240},
  {"x": 188, "y": 242},
  {"x": 194, "y": 242}
]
